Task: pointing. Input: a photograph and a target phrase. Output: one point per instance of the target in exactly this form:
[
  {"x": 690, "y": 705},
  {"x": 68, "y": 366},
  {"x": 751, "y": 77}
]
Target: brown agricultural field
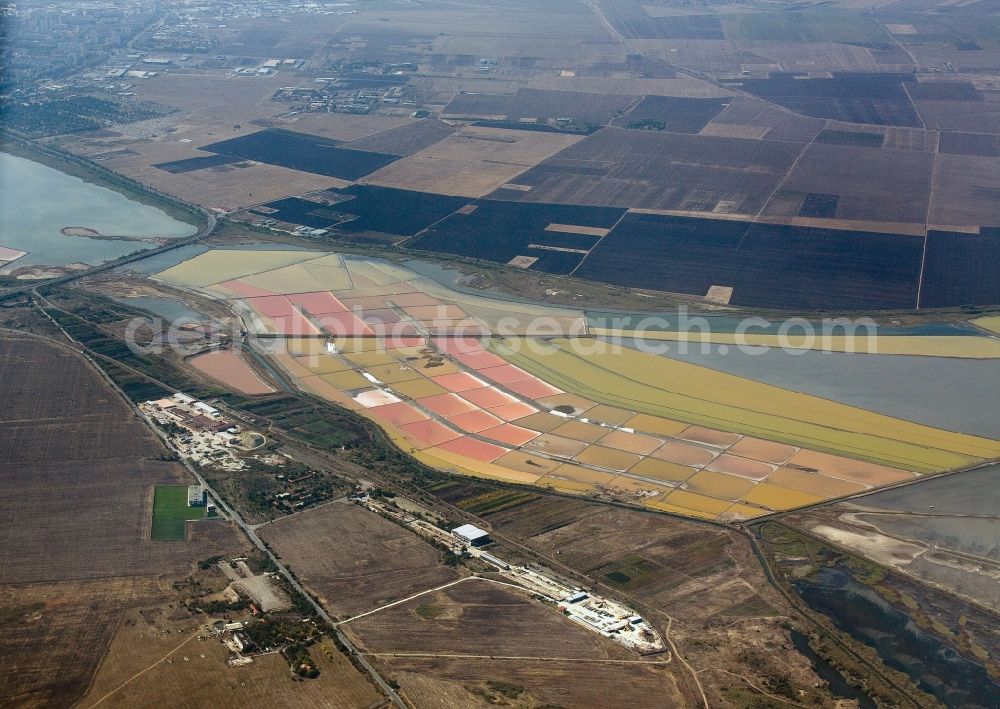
[
  {"x": 479, "y": 617},
  {"x": 405, "y": 140},
  {"x": 700, "y": 581},
  {"x": 227, "y": 187},
  {"x": 354, "y": 560},
  {"x": 77, "y": 475},
  {"x": 164, "y": 646},
  {"x": 966, "y": 190},
  {"x": 472, "y": 161},
  {"x": 776, "y": 123},
  {"x": 653, "y": 170},
  {"x": 464, "y": 683},
  {"x": 52, "y": 634},
  {"x": 873, "y": 184},
  {"x": 680, "y": 86}
]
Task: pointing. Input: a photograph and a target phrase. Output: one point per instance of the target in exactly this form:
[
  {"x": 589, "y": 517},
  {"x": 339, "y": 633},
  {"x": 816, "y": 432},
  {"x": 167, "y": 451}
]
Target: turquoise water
[{"x": 36, "y": 201}]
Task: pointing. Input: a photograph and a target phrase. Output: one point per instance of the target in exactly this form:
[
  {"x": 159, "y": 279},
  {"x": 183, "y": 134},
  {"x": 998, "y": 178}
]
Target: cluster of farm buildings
[
  {"x": 602, "y": 615},
  {"x": 198, "y": 430}
]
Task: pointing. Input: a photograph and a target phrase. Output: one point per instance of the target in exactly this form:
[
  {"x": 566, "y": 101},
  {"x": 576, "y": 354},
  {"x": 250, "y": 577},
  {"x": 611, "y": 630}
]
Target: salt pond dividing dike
[{"x": 207, "y": 228}]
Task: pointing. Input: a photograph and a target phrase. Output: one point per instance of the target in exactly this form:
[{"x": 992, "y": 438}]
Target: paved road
[
  {"x": 250, "y": 532},
  {"x": 258, "y": 542}
]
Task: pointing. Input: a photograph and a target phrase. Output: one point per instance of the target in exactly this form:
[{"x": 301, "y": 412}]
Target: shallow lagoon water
[
  {"x": 36, "y": 201},
  {"x": 862, "y": 613},
  {"x": 954, "y": 512},
  {"x": 950, "y": 393},
  {"x": 166, "y": 308}
]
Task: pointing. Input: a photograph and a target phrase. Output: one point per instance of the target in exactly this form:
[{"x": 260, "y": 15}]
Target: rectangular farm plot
[
  {"x": 607, "y": 458},
  {"x": 661, "y": 170},
  {"x": 474, "y": 421},
  {"x": 428, "y": 432},
  {"x": 500, "y": 230},
  {"x": 171, "y": 512},
  {"x": 301, "y": 151},
  {"x": 847, "y": 469},
  {"x": 477, "y": 450},
  {"x": 744, "y": 467}
]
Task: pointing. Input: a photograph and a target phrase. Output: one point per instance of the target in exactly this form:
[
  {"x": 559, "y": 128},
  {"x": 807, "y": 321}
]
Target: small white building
[{"x": 196, "y": 496}]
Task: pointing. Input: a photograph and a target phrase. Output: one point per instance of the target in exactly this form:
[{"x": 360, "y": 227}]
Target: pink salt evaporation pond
[
  {"x": 509, "y": 434},
  {"x": 459, "y": 381},
  {"x": 446, "y": 404},
  {"x": 398, "y": 413},
  {"x": 231, "y": 370},
  {"x": 474, "y": 421},
  {"x": 318, "y": 303},
  {"x": 471, "y": 448},
  {"x": 428, "y": 432}
]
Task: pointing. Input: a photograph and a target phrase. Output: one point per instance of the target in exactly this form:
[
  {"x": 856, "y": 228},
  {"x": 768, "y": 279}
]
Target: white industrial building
[{"x": 473, "y": 535}]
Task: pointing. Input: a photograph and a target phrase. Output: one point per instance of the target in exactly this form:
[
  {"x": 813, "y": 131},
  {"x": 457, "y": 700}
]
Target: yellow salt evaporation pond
[
  {"x": 960, "y": 346},
  {"x": 634, "y": 427}
]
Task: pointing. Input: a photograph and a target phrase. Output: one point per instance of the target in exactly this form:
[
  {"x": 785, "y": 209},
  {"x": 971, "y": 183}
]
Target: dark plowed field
[{"x": 300, "y": 151}]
